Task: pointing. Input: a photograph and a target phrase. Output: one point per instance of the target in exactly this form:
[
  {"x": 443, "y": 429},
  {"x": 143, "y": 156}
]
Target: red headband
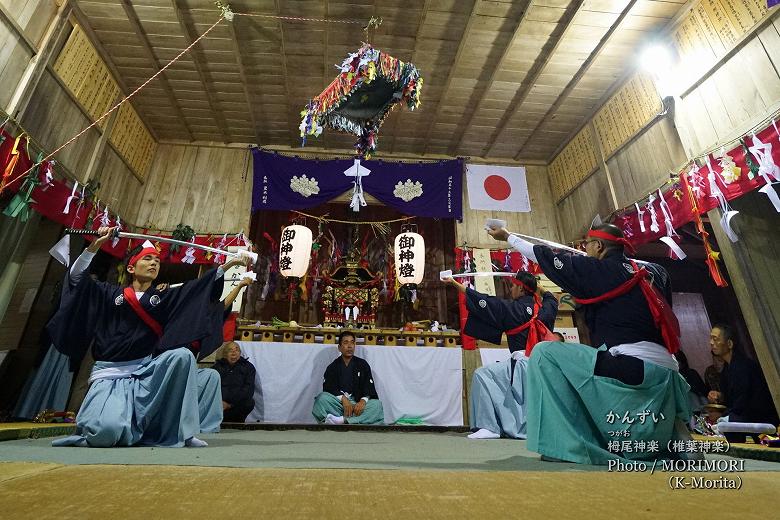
[
  {"x": 527, "y": 289},
  {"x": 594, "y": 233},
  {"x": 142, "y": 253}
]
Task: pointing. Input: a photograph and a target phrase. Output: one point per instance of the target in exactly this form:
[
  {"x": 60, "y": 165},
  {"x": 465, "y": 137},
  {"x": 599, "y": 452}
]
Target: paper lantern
[
  {"x": 409, "y": 258},
  {"x": 295, "y": 251}
]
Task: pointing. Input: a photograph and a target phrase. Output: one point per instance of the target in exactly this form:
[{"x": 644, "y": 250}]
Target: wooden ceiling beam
[
  {"x": 189, "y": 37},
  {"x": 83, "y": 22},
  {"x": 325, "y": 67},
  {"x": 578, "y": 76},
  {"x": 417, "y": 39},
  {"x": 143, "y": 39},
  {"x": 536, "y": 70},
  {"x": 451, "y": 76},
  {"x": 461, "y": 131},
  {"x": 290, "y": 124},
  {"x": 242, "y": 71}
]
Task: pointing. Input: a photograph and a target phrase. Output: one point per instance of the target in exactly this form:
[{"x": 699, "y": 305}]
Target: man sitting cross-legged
[{"x": 348, "y": 389}]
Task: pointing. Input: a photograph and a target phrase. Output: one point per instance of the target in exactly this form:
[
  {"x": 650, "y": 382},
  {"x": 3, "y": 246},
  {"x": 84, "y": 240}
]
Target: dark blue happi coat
[
  {"x": 623, "y": 319},
  {"x": 489, "y": 317},
  {"x": 97, "y": 310}
]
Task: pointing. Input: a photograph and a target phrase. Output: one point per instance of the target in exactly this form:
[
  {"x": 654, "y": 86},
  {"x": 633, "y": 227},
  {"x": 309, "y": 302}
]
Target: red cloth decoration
[
  {"x": 229, "y": 327},
  {"x": 467, "y": 342},
  {"x": 130, "y": 298},
  {"x": 537, "y": 331},
  {"x": 686, "y": 209}
]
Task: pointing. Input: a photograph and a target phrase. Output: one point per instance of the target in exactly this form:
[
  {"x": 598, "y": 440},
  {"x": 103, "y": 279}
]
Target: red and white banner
[{"x": 497, "y": 188}]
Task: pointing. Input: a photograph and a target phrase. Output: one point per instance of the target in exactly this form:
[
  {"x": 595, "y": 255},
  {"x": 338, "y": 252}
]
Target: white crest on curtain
[
  {"x": 304, "y": 186},
  {"x": 408, "y": 190}
]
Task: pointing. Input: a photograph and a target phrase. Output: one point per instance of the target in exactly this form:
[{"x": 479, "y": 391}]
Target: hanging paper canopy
[{"x": 362, "y": 95}]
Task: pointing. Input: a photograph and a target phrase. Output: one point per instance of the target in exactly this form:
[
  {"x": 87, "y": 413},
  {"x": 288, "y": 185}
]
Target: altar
[{"x": 412, "y": 382}]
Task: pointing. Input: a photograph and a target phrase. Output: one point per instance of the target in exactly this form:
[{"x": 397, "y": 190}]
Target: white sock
[
  {"x": 194, "y": 442},
  {"x": 482, "y": 433},
  {"x": 333, "y": 419}
]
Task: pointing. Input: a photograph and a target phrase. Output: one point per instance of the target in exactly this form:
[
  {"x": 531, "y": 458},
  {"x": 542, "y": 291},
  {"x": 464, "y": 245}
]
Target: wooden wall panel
[
  {"x": 645, "y": 163},
  {"x": 541, "y": 221},
  {"x": 578, "y": 209},
  {"x": 738, "y": 93},
  {"x": 53, "y": 118},
  {"x": 119, "y": 188},
  {"x": 32, "y": 17},
  {"x": 202, "y": 187}
]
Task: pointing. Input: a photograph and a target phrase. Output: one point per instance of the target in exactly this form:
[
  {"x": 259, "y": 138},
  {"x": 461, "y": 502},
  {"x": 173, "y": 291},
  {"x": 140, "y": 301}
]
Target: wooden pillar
[
  {"x": 603, "y": 164},
  {"x": 17, "y": 254},
  {"x": 52, "y": 40},
  {"x": 753, "y": 265}
]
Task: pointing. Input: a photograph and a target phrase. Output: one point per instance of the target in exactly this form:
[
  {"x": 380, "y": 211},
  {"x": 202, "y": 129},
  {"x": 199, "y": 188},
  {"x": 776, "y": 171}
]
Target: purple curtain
[{"x": 421, "y": 189}]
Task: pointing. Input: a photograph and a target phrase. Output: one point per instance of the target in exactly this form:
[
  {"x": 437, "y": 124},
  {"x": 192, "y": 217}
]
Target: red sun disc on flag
[{"x": 497, "y": 187}]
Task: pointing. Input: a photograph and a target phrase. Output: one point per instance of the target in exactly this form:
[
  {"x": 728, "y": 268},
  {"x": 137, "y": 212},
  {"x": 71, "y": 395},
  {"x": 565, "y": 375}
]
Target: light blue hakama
[
  {"x": 209, "y": 400},
  {"x": 157, "y": 405},
  {"x": 572, "y": 412},
  {"x": 496, "y": 405},
  {"x": 47, "y": 388}
]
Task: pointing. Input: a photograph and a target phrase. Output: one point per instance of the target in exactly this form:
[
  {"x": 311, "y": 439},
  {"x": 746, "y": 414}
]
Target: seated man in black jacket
[
  {"x": 743, "y": 388},
  {"x": 348, "y": 389},
  {"x": 238, "y": 383}
]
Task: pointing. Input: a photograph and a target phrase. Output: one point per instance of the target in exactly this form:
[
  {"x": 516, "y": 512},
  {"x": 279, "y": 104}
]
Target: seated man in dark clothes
[
  {"x": 238, "y": 383},
  {"x": 743, "y": 388},
  {"x": 348, "y": 389}
]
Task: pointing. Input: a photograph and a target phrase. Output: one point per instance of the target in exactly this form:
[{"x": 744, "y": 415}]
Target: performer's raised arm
[
  {"x": 520, "y": 245},
  {"x": 233, "y": 294},
  {"x": 81, "y": 264}
]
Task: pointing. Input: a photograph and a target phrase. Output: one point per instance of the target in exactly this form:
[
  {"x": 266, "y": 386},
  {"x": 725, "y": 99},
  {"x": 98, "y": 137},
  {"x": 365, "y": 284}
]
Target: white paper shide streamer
[
  {"x": 189, "y": 254},
  {"x": 767, "y": 169},
  {"x": 72, "y": 197},
  {"x": 115, "y": 240},
  {"x": 670, "y": 232},
  {"x": 358, "y": 172},
  {"x": 640, "y": 216},
  {"x": 728, "y": 213},
  {"x": 654, "y": 227}
]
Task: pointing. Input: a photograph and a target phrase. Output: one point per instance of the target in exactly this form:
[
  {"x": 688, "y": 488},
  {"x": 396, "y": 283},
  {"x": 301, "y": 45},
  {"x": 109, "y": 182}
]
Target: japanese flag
[{"x": 499, "y": 188}]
